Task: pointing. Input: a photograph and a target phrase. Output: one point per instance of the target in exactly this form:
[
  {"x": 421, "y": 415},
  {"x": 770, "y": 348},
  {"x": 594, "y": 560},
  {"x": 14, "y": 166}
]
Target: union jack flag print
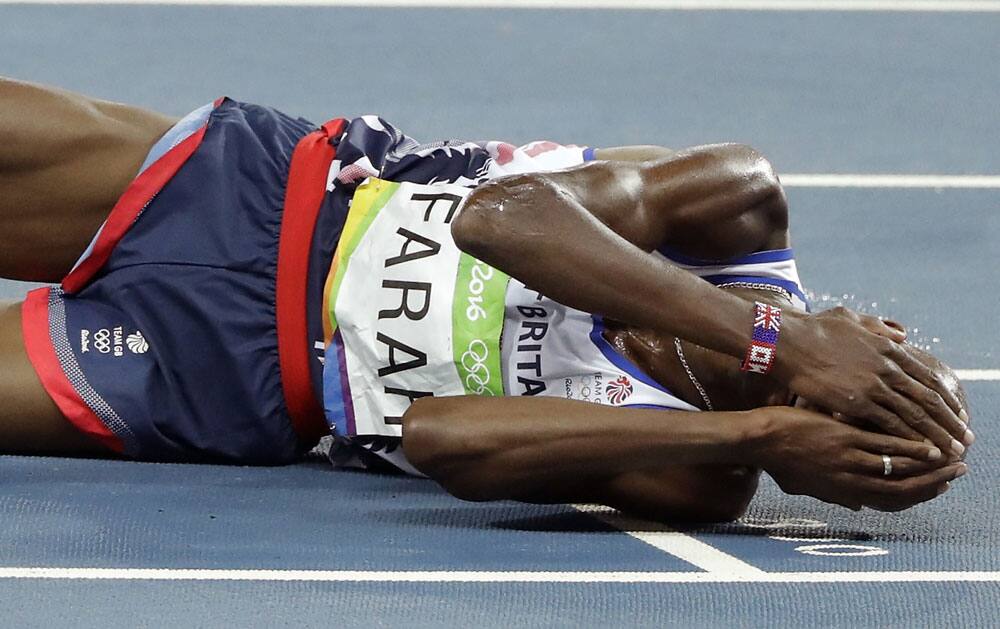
[
  {"x": 767, "y": 317},
  {"x": 764, "y": 345}
]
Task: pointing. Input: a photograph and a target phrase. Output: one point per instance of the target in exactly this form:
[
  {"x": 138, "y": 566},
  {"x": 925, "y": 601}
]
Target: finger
[
  {"x": 920, "y": 421},
  {"x": 931, "y": 378},
  {"x": 913, "y": 484},
  {"x": 911, "y": 500},
  {"x": 946, "y": 404},
  {"x": 895, "y": 495},
  {"x": 889, "y": 421},
  {"x": 945, "y": 474},
  {"x": 913, "y": 491},
  {"x": 854, "y": 493},
  {"x": 857, "y": 422},
  {"x": 895, "y": 325},
  {"x": 839, "y": 498},
  {"x": 895, "y": 446},
  {"x": 899, "y": 466},
  {"x": 876, "y": 325}
]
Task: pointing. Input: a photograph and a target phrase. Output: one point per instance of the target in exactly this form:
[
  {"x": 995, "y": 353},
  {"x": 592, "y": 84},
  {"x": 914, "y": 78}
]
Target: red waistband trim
[
  {"x": 303, "y": 199},
  {"x": 132, "y": 202}
]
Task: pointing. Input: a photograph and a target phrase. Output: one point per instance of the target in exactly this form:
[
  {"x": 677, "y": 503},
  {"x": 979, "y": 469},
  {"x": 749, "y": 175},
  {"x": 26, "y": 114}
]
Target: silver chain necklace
[
  {"x": 759, "y": 286},
  {"x": 694, "y": 381}
]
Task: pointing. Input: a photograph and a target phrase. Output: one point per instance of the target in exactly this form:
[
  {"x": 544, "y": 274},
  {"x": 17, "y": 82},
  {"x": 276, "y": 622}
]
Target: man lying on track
[{"x": 536, "y": 323}]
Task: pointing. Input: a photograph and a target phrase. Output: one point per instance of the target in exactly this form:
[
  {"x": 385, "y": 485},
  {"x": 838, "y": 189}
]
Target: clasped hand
[
  {"x": 809, "y": 453},
  {"x": 859, "y": 366}
]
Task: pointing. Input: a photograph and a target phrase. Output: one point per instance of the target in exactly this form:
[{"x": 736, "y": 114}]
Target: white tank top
[{"x": 411, "y": 315}]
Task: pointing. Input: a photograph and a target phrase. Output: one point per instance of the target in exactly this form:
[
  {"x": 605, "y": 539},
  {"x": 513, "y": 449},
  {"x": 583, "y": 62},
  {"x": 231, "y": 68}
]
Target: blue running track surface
[{"x": 118, "y": 544}]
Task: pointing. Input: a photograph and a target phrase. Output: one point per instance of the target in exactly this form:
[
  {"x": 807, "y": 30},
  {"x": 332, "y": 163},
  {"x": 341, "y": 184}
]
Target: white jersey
[{"x": 411, "y": 315}]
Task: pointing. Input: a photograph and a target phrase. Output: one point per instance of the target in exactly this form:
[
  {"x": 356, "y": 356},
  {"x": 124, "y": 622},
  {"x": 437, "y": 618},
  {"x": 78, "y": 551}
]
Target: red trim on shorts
[
  {"x": 132, "y": 202},
  {"x": 42, "y": 354},
  {"x": 303, "y": 199}
]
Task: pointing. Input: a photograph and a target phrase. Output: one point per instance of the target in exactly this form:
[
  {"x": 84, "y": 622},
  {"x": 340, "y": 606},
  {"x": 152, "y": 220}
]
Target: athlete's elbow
[
  {"x": 474, "y": 229},
  {"x": 502, "y": 220},
  {"x": 747, "y": 165},
  {"x": 751, "y": 166}
]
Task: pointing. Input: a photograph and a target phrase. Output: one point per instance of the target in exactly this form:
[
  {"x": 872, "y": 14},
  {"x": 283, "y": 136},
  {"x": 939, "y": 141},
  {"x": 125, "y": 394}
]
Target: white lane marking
[
  {"x": 798, "y": 180},
  {"x": 462, "y": 576},
  {"x": 841, "y": 550},
  {"x": 684, "y": 547},
  {"x": 978, "y": 374},
  {"x": 942, "y": 6}
]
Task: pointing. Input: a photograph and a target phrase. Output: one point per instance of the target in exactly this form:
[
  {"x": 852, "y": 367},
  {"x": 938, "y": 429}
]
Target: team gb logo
[
  {"x": 137, "y": 343},
  {"x": 618, "y": 390}
]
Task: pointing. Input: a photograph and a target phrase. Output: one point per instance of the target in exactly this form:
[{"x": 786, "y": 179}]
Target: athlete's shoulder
[
  {"x": 373, "y": 147},
  {"x": 765, "y": 270}
]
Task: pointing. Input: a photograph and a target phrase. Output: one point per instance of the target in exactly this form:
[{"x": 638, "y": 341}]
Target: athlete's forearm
[
  {"x": 555, "y": 450},
  {"x": 524, "y": 448},
  {"x": 535, "y": 231}
]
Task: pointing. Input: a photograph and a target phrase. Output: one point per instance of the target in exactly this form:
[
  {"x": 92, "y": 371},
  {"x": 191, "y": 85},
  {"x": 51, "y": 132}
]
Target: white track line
[
  {"x": 459, "y": 576},
  {"x": 942, "y": 6},
  {"x": 890, "y": 181},
  {"x": 978, "y": 374},
  {"x": 684, "y": 547}
]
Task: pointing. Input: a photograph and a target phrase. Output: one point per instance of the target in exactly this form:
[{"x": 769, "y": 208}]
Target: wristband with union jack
[{"x": 764, "y": 346}]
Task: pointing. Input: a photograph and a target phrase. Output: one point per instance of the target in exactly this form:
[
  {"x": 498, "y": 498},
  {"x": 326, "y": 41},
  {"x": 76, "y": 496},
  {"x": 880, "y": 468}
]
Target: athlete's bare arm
[
  {"x": 582, "y": 237},
  {"x": 562, "y": 451}
]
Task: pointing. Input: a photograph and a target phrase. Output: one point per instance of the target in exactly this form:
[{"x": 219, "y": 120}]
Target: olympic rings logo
[
  {"x": 102, "y": 341},
  {"x": 474, "y": 363}
]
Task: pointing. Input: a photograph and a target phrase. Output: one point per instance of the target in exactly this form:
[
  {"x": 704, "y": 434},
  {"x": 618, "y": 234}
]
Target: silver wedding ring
[{"x": 886, "y": 465}]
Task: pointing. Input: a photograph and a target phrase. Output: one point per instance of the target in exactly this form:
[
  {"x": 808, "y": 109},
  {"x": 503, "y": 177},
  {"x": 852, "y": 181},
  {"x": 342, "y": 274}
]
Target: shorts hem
[{"x": 42, "y": 314}]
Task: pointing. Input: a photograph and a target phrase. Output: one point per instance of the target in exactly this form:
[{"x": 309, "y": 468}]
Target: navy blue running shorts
[{"x": 181, "y": 334}]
